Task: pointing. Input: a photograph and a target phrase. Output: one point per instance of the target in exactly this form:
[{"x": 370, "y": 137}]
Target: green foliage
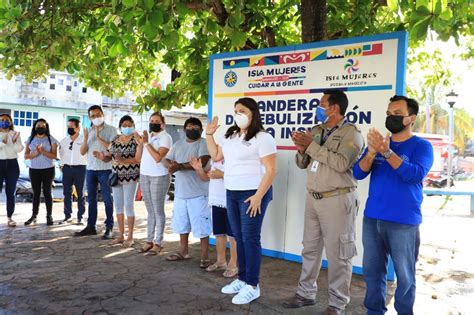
[{"x": 119, "y": 45}]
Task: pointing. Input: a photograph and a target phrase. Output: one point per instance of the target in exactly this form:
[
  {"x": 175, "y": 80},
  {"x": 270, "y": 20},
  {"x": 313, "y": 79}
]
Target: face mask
[
  {"x": 193, "y": 134},
  {"x": 321, "y": 114},
  {"x": 127, "y": 131},
  {"x": 394, "y": 123},
  {"x": 4, "y": 124},
  {"x": 71, "y": 131},
  {"x": 241, "y": 120},
  {"x": 98, "y": 121},
  {"x": 154, "y": 127},
  {"x": 40, "y": 130}
]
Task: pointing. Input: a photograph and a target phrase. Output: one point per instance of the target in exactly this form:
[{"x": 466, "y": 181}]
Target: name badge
[{"x": 314, "y": 166}]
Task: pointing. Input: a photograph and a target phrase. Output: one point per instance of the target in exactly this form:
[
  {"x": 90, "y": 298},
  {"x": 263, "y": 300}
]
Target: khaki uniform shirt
[{"x": 330, "y": 164}]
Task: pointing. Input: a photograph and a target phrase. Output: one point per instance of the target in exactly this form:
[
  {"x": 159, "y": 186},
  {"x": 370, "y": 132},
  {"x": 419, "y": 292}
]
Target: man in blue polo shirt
[{"x": 392, "y": 216}]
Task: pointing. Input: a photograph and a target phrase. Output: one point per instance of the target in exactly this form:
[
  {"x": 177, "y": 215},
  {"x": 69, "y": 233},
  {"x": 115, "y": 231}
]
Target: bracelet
[{"x": 209, "y": 134}]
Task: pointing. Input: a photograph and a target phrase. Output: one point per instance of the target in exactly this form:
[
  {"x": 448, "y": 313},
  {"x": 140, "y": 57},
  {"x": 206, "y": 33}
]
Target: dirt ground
[{"x": 65, "y": 281}]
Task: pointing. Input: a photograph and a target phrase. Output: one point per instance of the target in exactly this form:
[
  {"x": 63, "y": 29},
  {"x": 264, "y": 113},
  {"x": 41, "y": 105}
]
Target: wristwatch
[{"x": 387, "y": 154}]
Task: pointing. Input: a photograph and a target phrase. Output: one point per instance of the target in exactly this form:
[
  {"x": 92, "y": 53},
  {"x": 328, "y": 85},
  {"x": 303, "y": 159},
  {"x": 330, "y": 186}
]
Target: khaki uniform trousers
[{"x": 329, "y": 223}]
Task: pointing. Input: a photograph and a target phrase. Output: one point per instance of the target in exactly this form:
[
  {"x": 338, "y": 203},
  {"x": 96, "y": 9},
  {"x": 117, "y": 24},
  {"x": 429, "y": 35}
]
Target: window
[
  {"x": 52, "y": 86},
  {"x": 68, "y": 88},
  {"x": 52, "y": 76},
  {"x": 75, "y": 83},
  {"x": 84, "y": 90},
  {"x": 44, "y": 80},
  {"x": 60, "y": 81},
  {"x": 35, "y": 84},
  {"x": 24, "y": 118},
  {"x": 68, "y": 78}
]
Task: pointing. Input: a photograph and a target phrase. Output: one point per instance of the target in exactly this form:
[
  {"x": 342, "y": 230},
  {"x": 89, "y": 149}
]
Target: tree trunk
[{"x": 313, "y": 20}]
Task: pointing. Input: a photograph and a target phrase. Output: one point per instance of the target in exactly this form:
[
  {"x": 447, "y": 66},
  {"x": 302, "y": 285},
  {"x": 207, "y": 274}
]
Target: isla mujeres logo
[
  {"x": 351, "y": 65},
  {"x": 230, "y": 78}
]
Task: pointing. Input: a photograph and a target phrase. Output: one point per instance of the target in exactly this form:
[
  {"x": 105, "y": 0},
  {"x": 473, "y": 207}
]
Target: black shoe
[
  {"x": 87, "y": 231},
  {"x": 108, "y": 234},
  {"x": 65, "y": 221},
  {"x": 298, "y": 301},
  {"x": 31, "y": 220},
  {"x": 49, "y": 220}
]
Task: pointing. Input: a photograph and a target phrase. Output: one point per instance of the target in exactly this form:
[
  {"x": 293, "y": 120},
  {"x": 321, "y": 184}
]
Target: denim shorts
[{"x": 220, "y": 223}]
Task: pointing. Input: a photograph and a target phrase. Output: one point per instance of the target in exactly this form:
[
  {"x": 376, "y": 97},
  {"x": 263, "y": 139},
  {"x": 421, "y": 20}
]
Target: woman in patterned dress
[{"x": 122, "y": 150}]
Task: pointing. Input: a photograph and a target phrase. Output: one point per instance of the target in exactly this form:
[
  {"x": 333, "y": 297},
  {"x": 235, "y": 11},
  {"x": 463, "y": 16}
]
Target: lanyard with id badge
[{"x": 322, "y": 140}]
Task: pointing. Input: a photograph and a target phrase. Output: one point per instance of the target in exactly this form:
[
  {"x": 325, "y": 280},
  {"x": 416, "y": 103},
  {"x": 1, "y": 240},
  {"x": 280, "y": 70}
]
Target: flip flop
[
  {"x": 154, "y": 251},
  {"x": 128, "y": 243},
  {"x": 215, "y": 267},
  {"x": 204, "y": 263},
  {"x": 231, "y": 272},
  {"x": 145, "y": 248},
  {"x": 177, "y": 257},
  {"x": 117, "y": 241}
]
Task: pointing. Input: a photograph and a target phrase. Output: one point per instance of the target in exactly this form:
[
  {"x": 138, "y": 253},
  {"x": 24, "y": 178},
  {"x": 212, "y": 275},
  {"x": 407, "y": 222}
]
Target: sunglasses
[{"x": 70, "y": 145}]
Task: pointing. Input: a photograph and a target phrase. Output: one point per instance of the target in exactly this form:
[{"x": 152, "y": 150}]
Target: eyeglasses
[{"x": 70, "y": 145}]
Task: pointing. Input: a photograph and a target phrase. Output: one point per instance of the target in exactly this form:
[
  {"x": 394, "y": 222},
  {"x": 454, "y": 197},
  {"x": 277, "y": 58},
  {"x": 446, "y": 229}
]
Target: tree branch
[{"x": 313, "y": 20}]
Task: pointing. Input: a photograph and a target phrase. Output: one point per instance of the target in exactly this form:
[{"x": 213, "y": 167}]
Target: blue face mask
[
  {"x": 4, "y": 124},
  {"x": 321, "y": 114},
  {"x": 127, "y": 131}
]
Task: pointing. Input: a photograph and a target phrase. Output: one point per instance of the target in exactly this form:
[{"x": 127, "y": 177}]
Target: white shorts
[{"x": 192, "y": 214}]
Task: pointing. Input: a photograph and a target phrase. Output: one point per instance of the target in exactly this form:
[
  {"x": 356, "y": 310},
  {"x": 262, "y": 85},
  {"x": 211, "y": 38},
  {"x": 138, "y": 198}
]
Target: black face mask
[
  {"x": 193, "y": 134},
  {"x": 40, "y": 130},
  {"x": 71, "y": 131},
  {"x": 154, "y": 127},
  {"x": 394, "y": 123}
]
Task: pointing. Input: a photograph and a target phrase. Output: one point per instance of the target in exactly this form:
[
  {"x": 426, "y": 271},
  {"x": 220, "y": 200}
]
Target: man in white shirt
[{"x": 74, "y": 170}]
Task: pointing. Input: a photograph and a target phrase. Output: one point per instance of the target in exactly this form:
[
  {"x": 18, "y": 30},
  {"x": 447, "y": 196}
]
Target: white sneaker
[
  {"x": 233, "y": 287},
  {"x": 246, "y": 295}
]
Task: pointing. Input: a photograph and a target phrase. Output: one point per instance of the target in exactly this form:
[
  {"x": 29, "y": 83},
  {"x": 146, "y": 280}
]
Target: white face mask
[
  {"x": 241, "y": 120},
  {"x": 98, "y": 121}
]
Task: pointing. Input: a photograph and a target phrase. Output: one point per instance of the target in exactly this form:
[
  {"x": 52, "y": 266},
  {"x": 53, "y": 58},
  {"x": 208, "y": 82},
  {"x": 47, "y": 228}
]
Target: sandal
[
  {"x": 231, "y": 272},
  {"x": 146, "y": 247},
  {"x": 128, "y": 243},
  {"x": 204, "y": 263},
  {"x": 154, "y": 251},
  {"x": 215, "y": 267},
  {"x": 177, "y": 256},
  {"x": 117, "y": 241},
  {"x": 11, "y": 223}
]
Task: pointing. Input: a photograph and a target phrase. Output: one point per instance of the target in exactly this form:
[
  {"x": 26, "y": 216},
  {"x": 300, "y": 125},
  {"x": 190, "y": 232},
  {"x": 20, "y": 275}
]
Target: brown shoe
[
  {"x": 298, "y": 301},
  {"x": 331, "y": 310}
]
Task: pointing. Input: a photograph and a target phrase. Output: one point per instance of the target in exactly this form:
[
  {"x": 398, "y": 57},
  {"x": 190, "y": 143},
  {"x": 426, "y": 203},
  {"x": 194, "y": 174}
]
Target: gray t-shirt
[
  {"x": 187, "y": 183},
  {"x": 108, "y": 133}
]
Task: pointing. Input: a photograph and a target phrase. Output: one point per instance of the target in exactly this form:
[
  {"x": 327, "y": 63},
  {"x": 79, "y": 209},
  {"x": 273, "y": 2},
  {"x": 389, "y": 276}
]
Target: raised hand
[
  {"x": 15, "y": 136},
  {"x": 216, "y": 174},
  {"x": 98, "y": 155},
  {"x": 196, "y": 163},
  {"x": 302, "y": 140},
  {"x": 86, "y": 134},
  {"x": 40, "y": 149},
  {"x": 145, "y": 137},
  {"x": 212, "y": 126},
  {"x": 378, "y": 142},
  {"x": 173, "y": 167}
]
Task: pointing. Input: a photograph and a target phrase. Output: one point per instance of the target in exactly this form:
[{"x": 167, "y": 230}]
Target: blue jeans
[
  {"x": 94, "y": 178},
  {"x": 74, "y": 175},
  {"x": 246, "y": 231},
  {"x": 401, "y": 242}
]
